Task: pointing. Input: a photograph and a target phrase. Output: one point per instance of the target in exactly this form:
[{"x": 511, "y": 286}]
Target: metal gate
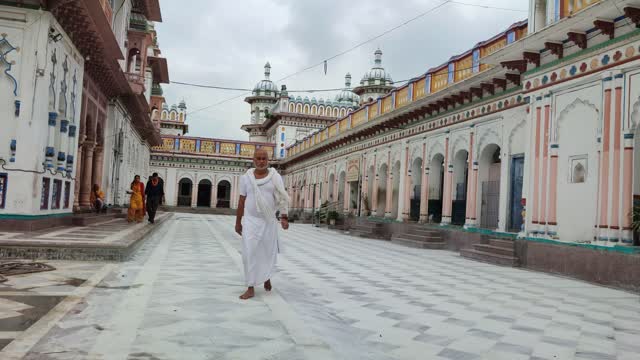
[
  {"x": 490, "y": 204},
  {"x": 515, "y": 208}
]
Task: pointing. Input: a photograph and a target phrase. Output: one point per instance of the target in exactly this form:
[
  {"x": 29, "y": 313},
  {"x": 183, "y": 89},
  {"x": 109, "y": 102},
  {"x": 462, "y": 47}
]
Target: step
[
  {"x": 86, "y": 219},
  {"x": 418, "y": 237},
  {"x": 499, "y": 250},
  {"x": 423, "y": 232},
  {"x": 502, "y": 243},
  {"x": 367, "y": 234},
  {"x": 419, "y": 244},
  {"x": 489, "y": 257}
]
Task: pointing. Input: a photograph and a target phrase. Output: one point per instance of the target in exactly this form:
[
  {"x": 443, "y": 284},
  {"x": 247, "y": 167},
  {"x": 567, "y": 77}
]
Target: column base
[
  {"x": 387, "y": 215},
  {"x": 626, "y": 238},
  {"x": 446, "y": 220},
  {"x": 470, "y": 224},
  {"x": 423, "y": 219}
]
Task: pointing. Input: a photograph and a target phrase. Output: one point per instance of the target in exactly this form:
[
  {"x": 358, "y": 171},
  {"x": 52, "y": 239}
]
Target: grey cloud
[{"x": 227, "y": 43}]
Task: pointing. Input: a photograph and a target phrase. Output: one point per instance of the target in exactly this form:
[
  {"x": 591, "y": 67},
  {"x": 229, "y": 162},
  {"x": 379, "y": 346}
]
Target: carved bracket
[
  {"x": 500, "y": 83},
  {"x": 556, "y": 48},
  {"x": 633, "y": 13},
  {"x": 606, "y": 27},
  {"x": 532, "y": 57},
  {"x": 514, "y": 78},
  {"x": 579, "y": 38},
  {"x": 488, "y": 88},
  {"x": 475, "y": 91},
  {"x": 517, "y": 65}
]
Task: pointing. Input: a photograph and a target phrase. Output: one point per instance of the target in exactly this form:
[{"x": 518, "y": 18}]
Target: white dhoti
[
  {"x": 260, "y": 247},
  {"x": 260, "y": 241}
]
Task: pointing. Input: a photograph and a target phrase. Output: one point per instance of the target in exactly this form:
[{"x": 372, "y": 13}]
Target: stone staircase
[
  {"x": 496, "y": 251},
  {"x": 419, "y": 237},
  {"x": 369, "y": 229}
]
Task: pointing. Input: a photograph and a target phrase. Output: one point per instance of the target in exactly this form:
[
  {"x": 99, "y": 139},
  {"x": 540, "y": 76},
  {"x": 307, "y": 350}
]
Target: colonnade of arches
[
  {"x": 204, "y": 194},
  {"x": 459, "y": 190}
]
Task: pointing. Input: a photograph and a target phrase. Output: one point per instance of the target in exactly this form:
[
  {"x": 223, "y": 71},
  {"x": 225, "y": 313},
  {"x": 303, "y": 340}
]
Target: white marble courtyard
[{"x": 336, "y": 297}]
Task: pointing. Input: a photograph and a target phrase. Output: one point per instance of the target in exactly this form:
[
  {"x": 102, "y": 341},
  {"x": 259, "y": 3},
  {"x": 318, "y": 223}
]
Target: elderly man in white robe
[{"x": 262, "y": 194}]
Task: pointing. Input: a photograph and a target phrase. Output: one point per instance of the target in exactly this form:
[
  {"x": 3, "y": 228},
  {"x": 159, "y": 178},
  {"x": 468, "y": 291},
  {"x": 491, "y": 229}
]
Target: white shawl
[{"x": 281, "y": 196}]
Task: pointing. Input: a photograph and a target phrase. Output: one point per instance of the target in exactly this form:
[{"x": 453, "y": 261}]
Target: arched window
[
  {"x": 343, "y": 112},
  {"x": 173, "y": 116},
  {"x": 299, "y": 108},
  {"x": 164, "y": 115},
  {"x": 314, "y": 110},
  {"x": 335, "y": 112},
  {"x": 292, "y": 108},
  {"x": 306, "y": 109},
  {"x": 321, "y": 110}
]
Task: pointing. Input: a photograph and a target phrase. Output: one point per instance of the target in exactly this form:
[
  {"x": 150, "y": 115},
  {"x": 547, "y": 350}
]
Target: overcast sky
[{"x": 226, "y": 43}]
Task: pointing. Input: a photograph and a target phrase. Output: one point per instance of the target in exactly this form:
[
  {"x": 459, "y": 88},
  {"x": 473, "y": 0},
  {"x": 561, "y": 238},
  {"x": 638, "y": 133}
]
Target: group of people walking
[{"x": 144, "y": 199}]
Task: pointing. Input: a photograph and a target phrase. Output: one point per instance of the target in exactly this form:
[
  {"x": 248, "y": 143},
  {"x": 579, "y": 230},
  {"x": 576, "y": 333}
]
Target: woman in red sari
[{"x": 136, "y": 205}]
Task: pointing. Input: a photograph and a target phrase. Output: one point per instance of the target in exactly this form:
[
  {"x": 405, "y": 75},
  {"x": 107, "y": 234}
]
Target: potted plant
[
  {"x": 332, "y": 216},
  {"x": 365, "y": 203},
  {"x": 635, "y": 222}
]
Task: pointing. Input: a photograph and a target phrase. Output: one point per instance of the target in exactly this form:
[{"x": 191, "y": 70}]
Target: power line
[
  {"x": 318, "y": 90},
  {"x": 488, "y": 6},
  {"x": 337, "y": 55},
  {"x": 346, "y": 51}
]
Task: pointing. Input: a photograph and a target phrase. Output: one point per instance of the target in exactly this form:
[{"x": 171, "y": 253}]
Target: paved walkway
[{"x": 335, "y": 297}]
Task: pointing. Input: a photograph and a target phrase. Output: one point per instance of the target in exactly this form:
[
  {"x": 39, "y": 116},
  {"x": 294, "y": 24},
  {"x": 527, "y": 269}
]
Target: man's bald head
[{"x": 260, "y": 152}]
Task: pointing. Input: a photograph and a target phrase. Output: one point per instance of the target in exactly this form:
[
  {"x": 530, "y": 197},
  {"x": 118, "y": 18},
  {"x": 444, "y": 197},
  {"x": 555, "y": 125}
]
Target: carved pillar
[
  {"x": 374, "y": 189},
  {"x": 347, "y": 196},
  {"x": 98, "y": 162},
  {"x": 389, "y": 192},
  {"x": 365, "y": 185},
  {"x": 627, "y": 189},
  {"x": 545, "y": 166},
  {"x": 603, "y": 219},
  {"x": 214, "y": 192},
  {"x": 424, "y": 187},
  {"x": 552, "y": 218},
  {"x": 79, "y": 174},
  {"x": 614, "y": 227},
  {"x": 446, "y": 201},
  {"x": 472, "y": 184},
  {"x": 537, "y": 169},
  {"x": 407, "y": 187},
  {"x": 87, "y": 173}
]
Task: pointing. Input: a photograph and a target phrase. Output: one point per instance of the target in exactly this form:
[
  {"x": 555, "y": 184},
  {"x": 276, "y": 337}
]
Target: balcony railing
[{"x": 136, "y": 81}]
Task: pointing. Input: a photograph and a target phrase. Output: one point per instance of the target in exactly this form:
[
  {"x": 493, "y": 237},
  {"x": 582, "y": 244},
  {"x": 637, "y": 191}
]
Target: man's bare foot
[
  {"x": 267, "y": 285},
  {"x": 248, "y": 294}
]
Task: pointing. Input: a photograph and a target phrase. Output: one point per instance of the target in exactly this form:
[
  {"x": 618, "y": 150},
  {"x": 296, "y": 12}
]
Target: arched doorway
[
  {"x": 459, "y": 195},
  {"x": 223, "y": 199},
  {"x": 367, "y": 203},
  {"x": 489, "y": 186},
  {"x": 395, "y": 195},
  {"x": 436, "y": 188},
  {"x": 382, "y": 190},
  {"x": 414, "y": 190},
  {"x": 331, "y": 184},
  {"x": 204, "y": 193},
  {"x": 185, "y": 187},
  {"x": 341, "y": 182}
]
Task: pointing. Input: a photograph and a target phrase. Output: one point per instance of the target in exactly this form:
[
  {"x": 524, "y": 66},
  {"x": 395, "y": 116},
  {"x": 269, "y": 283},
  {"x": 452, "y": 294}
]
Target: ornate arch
[
  {"x": 461, "y": 142},
  {"x": 519, "y": 125},
  {"x": 223, "y": 178},
  {"x": 186, "y": 175},
  {"x": 205, "y": 177},
  {"x": 490, "y": 135},
  {"x": 436, "y": 148},
  {"x": 563, "y": 114}
]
